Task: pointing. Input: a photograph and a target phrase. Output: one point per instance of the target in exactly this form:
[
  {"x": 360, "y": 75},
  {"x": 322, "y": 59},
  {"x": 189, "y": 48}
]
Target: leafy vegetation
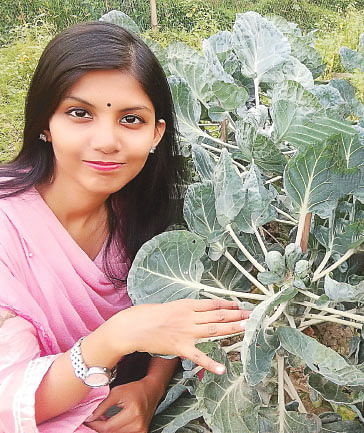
[{"x": 289, "y": 153}]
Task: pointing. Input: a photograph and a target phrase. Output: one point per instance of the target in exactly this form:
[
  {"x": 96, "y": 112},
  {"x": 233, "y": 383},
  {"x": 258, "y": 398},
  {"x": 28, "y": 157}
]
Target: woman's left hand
[{"x": 138, "y": 401}]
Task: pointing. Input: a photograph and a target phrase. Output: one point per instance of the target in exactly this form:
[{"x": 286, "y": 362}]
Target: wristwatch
[{"x": 95, "y": 376}]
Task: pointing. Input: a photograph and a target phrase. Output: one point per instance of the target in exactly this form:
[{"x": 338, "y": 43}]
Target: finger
[
  {"x": 121, "y": 422},
  {"x": 221, "y": 316},
  {"x": 207, "y": 330},
  {"x": 214, "y": 304},
  {"x": 204, "y": 361},
  {"x": 109, "y": 401}
]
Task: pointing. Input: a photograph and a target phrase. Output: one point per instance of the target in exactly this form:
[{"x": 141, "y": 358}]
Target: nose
[{"x": 105, "y": 138}]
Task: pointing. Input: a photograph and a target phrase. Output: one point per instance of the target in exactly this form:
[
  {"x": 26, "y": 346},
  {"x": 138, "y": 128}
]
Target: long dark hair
[{"x": 147, "y": 204}]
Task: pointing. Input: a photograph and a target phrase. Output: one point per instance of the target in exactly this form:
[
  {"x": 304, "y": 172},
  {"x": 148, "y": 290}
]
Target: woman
[{"x": 97, "y": 176}]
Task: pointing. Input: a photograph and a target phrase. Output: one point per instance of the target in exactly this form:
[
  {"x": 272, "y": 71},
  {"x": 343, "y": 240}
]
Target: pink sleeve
[{"x": 21, "y": 371}]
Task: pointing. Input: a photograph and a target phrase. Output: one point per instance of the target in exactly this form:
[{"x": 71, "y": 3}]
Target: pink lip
[{"x": 103, "y": 166}]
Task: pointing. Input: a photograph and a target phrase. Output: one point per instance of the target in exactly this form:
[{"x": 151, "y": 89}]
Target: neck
[{"x": 75, "y": 209}]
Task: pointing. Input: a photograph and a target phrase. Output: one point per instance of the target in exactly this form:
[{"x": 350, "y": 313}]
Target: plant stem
[
  {"x": 272, "y": 180},
  {"x": 277, "y": 314},
  {"x": 281, "y": 403},
  {"x": 322, "y": 264},
  {"x": 306, "y": 232},
  {"x": 216, "y": 149},
  {"x": 256, "y": 92},
  {"x": 246, "y": 253},
  {"x": 260, "y": 240},
  {"x": 242, "y": 295},
  {"x": 345, "y": 314},
  {"x": 334, "y": 320},
  {"x": 285, "y": 222},
  {"x": 232, "y": 348},
  {"x": 304, "y": 325},
  {"x": 294, "y": 393},
  {"x": 343, "y": 259},
  {"x": 248, "y": 275},
  {"x": 286, "y": 215},
  {"x": 290, "y": 319}
]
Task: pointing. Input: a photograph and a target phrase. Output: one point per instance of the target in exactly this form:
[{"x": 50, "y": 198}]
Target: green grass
[{"x": 18, "y": 61}]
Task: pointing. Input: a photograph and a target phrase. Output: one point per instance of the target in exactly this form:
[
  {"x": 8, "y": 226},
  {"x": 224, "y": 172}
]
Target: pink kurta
[{"x": 58, "y": 294}]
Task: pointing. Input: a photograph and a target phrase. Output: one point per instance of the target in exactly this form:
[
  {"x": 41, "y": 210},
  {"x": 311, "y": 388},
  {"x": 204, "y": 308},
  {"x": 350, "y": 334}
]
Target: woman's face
[{"x": 102, "y": 132}]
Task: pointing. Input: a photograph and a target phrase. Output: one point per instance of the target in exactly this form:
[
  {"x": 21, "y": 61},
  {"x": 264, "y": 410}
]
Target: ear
[
  {"x": 159, "y": 130},
  {"x": 48, "y": 134}
]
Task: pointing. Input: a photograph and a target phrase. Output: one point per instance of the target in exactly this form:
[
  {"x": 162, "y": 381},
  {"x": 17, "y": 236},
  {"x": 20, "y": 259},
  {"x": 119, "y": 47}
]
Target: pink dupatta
[{"x": 48, "y": 280}]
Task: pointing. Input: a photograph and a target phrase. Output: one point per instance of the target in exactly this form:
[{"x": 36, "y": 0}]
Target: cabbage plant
[{"x": 274, "y": 219}]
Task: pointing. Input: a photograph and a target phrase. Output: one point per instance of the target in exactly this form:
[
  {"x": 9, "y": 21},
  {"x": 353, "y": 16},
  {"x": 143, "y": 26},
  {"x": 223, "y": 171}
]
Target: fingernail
[{"x": 220, "y": 369}]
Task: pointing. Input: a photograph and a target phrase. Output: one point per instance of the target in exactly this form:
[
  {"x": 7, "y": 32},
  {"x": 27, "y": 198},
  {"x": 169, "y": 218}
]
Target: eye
[
  {"x": 79, "y": 113},
  {"x": 131, "y": 119}
]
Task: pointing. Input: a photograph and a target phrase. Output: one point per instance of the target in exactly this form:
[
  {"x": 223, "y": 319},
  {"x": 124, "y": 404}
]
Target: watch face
[{"x": 96, "y": 377}]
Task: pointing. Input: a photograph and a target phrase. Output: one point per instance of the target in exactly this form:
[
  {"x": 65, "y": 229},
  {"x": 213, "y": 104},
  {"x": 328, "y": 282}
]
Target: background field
[{"x": 26, "y": 26}]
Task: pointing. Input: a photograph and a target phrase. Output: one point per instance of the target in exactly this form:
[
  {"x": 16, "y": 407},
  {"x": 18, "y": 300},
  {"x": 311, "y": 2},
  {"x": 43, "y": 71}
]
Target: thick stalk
[
  {"x": 306, "y": 232},
  {"x": 287, "y": 215},
  {"x": 290, "y": 319},
  {"x": 322, "y": 264},
  {"x": 260, "y": 240},
  {"x": 242, "y": 295},
  {"x": 277, "y": 314},
  {"x": 267, "y": 182},
  {"x": 334, "y": 320},
  {"x": 343, "y": 259},
  {"x": 218, "y": 150},
  {"x": 301, "y": 226},
  {"x": 345, "y": 314},
  {"x": 246, "y": 253},
  {"x": 285, "y": 222},
  {"x": 247, "y": 274},
  {"x": 294, "y": 394},
  {"x": 256, "y": 92},
  {"x": 281, "y": 403}
]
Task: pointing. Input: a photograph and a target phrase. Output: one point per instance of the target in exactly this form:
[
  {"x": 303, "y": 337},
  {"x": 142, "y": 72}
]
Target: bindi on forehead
[{"x": 108, "y": 104}]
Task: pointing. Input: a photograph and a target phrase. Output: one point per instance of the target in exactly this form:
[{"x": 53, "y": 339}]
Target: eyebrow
[{"x": 134, "y": 108}]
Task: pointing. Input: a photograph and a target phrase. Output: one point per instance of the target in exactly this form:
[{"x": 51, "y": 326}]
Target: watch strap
[{"x": 82, "y": 371}]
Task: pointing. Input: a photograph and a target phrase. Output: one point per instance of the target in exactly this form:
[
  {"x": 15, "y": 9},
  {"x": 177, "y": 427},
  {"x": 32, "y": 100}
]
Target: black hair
[{"x": 148, "y": 203}]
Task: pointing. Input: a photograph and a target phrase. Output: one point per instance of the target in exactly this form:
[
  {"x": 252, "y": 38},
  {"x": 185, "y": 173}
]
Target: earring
[
  {"x": 43, "y": 137},
  {"x": 152, "y": 150}
]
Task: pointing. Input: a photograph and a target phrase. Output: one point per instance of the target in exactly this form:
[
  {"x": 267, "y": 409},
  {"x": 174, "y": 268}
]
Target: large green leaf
[
  {"x": 166, "y": 268},
  {"x": 259, "y": 148},
  {"x": 306, "y": 54},
  {"x": 343, "y": 427},
  {"x": 121, "y": 19},
  {"x": 228, "y": 190},
  {"x": 320, "y": 359},
  {"x": 216, "y": 48},
  {"x": 176, "y": 416},
  {"x": 186, "y": 63},
  {"x": 292, "y": 69},
  {"x": 256, "y": 362},
  {"x": 187, "y": 107},
  {"x": 291, "y": 107},
  {"x": 347, "y": 92},
  {"x": 228, "y": 404},
  {"x": 259, "y": 45},
  {"x": 229, "y": 95},
  {"x": 224, "y": 275},
  {"x": 307, "y": 180},
  {"x": 340, "y": 236},
  {"x": 256, "y": 208},
  {"x": 343, "y": 292},
  {"x": 335, "y": 393},
  {"x": 203, "y": 161},
  {"x": 351, "y": 59},
  {"x": 199, "y": 209},
  {"x": 295, "y": 422}
]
